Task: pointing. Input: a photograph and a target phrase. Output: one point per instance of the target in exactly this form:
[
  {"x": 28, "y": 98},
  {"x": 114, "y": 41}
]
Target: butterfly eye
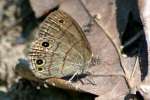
[
  {"x": 61, "y": 21},
  {"x": 39, "y": 62},
  {"x": 45, "y": 44}
]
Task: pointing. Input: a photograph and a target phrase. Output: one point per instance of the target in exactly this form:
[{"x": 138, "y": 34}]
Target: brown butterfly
[{"x": 60, "y": 49}]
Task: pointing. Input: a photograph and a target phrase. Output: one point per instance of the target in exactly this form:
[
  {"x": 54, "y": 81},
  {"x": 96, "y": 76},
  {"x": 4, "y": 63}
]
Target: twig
[{"x": 133, "y": 39}]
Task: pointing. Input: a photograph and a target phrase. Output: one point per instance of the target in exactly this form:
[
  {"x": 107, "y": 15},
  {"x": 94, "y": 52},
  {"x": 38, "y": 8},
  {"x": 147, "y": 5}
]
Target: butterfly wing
[{"x": 67, "y": 54}]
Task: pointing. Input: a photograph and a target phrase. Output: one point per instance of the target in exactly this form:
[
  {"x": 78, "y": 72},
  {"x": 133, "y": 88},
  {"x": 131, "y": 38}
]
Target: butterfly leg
[
  {"x": 91, "y": 81},
  {"x": 90, "y": 78},
  {"x": 73, "y": 76}
]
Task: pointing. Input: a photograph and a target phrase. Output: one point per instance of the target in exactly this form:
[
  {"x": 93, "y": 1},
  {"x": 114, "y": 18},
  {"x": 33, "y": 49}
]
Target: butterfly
[{"x": 60, "y": 49}]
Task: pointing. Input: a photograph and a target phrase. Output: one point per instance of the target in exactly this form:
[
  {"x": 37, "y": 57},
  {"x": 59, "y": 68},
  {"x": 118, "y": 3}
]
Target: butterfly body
[{"x": 60, "y": 49}]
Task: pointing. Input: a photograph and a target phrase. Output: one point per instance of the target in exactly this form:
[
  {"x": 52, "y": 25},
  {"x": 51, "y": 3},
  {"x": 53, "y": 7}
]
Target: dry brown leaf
[
  {"x": 104, "y": 22},
  {"x": 40, "y": 8},
  {"x": 115, "y": 75}
]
